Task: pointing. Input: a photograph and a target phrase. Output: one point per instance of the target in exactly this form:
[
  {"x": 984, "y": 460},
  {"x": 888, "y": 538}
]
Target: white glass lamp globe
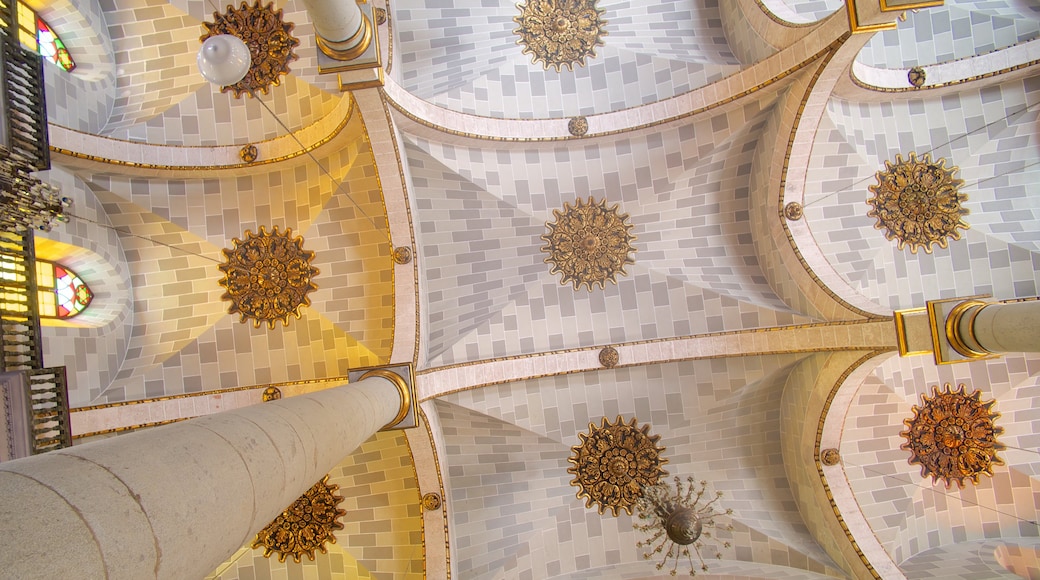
[{"x": 223, "y": 59}]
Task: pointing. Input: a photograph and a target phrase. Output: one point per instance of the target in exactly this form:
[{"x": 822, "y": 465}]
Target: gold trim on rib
[
  {"x": 292, "y": 155},
  {"x": 819, "y": 465},
  {"x": 827, "y": 55}
]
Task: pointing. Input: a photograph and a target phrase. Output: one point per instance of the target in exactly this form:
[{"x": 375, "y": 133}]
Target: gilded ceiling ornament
[
  {"x": 614, "y": 462},
  {"x": 917, "y": 202},
  {"x": 271, "y": 394},
  {"x": 248, "y": 153},
  {"x": 588, "y": 243},
  {"x": 830, "y": 457},
  {"x": 268, "y": 276},
  {"x": 952, "y": 436},
  {"x": 431, "y": 501},
  {"x": 793, "y": 211},
  {"x": 380, "y": 16},
  {"x": 304, "y": 526},
  {"x": 268, "y": 38},
  {"x": 402, "y": 255},
  {"x": 578, "y": 126},
  {"x": 560, "y": 32},
  {"x": 608, "y": 357},
  {"x": 916, "y": 77}
]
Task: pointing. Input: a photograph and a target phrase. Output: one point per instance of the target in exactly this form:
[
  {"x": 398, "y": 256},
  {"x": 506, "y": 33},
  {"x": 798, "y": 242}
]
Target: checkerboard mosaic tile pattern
[
  {"x": 209, "y": 117},
  {"x": 92, "y": 354},
  {"x": 915, "y": 520},
  {"x": 956, "y": 30},
  {"x": 716, "y": 417},
  {"x": 687, "y": 190},
  {"x": 76, "y": 103},
  {"x": 383, "y": 524},
  {"x": 176, "y": 337},
  {"x": 248, "y": 564},
  {"x": 968, "y": 560},
  {"x": 518, "y": 89},
  {"x": 464, "y": 57},
  {"x": 996, "y": 150},
  {"x": 139, "y": 49}
]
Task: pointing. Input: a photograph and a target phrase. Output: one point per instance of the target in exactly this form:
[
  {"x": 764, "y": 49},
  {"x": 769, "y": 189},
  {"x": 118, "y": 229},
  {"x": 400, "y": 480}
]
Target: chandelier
[
  {"x": 26, "y": 202},
  {"x": 679, "y": 524}
]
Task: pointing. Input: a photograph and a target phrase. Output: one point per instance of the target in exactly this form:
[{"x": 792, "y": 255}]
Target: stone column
[
  {"x": 978, "y": 329},
  {"x": 176, "y": 501},
  {"x": 341, "y": 31}
]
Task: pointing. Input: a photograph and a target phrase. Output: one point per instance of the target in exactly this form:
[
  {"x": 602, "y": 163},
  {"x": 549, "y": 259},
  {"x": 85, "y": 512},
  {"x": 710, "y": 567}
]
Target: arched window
[
  {"x": 35, "y": 34},
  {"x": 62, "y": 293}
]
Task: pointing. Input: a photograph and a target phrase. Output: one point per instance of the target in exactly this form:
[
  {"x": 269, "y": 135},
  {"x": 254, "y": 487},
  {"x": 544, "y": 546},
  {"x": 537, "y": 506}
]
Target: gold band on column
[
  {"x": 953, "y": 328},
  {"x": 402, "y": 389},
  {"x": 350, "y": 48}
]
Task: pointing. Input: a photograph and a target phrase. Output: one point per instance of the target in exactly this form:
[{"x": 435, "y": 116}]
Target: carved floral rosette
[
  {"x": 269, "y": 39},
  {"x": 589, "y": 243},
  {"x": 917, "y": 203},
  {"x": 268, "y": 276},
  {"x": 560, "y": 33},
  {"x": 614, "y": 462},
  {"x": 952, "y": 436},
  {"x": 305, "y": 526}
]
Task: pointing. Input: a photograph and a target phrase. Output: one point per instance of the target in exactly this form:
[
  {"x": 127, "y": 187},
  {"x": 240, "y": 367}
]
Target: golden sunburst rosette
[
  {"x": 305, "y": 526},
  {"x": 589, "y": 243},
  {"x": 917, "y": 202},
  {"x": 269, "y": 39},
  {"x": 614, "y": 462},
  {"x": 952, "y": 436},
  {"x": 268, "y": 276},
  {"x": 560, "y": 33}
]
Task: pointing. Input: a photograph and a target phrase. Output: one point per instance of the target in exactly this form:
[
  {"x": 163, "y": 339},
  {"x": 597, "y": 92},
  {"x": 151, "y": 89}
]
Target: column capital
[
  {"x": 402, "y": 377},
  {"x": 956, "y": 330}
]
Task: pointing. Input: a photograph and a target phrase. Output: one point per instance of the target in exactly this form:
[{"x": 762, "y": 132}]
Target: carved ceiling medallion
[
  {"x": 560, "y": 33},
  {"x": 614, "y": 462},
  {"x": 917, "y": 202},
  {"x": 588, "y": 243},
  {"x": 268, "y": 276},
  {"x": 305, "y": 526},
  {"x": 953, "y": 437},
  {"x": 268, "y": 38}
]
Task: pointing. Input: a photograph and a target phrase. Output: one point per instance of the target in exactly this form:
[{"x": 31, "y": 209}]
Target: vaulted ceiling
[{"x": 705, "y": 119}]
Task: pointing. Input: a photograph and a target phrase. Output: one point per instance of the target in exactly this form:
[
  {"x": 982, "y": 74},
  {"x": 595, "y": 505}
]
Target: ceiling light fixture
[{"x": 679, "y": 522}]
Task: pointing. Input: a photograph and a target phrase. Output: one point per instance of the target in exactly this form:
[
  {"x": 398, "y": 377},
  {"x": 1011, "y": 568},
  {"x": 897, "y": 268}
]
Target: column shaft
[
  {"x": 341, "y": 30},
  {"x": 176, "y": 501},
  {"x": 997, "y": 328}
]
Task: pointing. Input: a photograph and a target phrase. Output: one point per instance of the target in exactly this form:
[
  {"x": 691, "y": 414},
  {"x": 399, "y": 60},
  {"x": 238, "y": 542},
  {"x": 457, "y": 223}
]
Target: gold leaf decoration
[
  {"x": 268, "y": 276},
  {"x": 588, "y": 243},
  {"x": 269, "y": 40},
  {"x": 917, "y": 202},
  {"x": 560, "y": 33},
  {"x": 952, "y": 436},
  {"x": 307, "y": 525},
  {"x": 614, "y": 462}
]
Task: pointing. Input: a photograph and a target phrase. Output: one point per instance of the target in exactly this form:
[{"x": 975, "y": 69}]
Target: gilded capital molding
[{"x": 402, "y": 378}]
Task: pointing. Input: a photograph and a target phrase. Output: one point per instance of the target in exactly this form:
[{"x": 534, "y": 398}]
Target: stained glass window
[
  {"x": 51, "y": 47},
  {"x": 62, "y": 293},
  {"x": 35, "y": 34}
]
